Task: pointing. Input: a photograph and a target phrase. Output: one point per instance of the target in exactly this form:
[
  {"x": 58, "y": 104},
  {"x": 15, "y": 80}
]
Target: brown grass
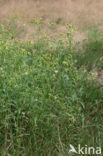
[
  {"x": 78, "y": 11},
  {"x": 82, "y": 13}
]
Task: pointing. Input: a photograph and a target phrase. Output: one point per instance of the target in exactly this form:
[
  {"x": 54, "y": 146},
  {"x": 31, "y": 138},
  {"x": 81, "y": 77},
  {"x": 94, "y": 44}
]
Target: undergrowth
[
  {"x": 91, "y": 54},
  {"x": 45, "y": 102}
]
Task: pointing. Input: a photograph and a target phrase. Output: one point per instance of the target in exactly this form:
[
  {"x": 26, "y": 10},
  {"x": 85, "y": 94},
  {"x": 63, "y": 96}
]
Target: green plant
[
  {"x": 13, "y": 28},
  {"x": 92, "y": 52},
  {"x": 44, "y": 99},
  {"x": 38, "y": 22}
]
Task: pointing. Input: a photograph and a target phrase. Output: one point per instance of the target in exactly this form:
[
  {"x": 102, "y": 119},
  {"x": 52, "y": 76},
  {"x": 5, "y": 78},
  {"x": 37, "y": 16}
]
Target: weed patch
[{"x": 45, "y": 102}]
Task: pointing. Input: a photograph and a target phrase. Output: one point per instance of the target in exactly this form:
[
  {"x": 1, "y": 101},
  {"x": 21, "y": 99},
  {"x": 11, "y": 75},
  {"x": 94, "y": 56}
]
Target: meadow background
[{"x": 51, "y": 76}]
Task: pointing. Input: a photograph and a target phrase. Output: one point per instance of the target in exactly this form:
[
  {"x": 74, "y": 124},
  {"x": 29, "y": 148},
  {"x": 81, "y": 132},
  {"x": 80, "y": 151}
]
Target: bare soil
[{"x": 82, "y": 13}]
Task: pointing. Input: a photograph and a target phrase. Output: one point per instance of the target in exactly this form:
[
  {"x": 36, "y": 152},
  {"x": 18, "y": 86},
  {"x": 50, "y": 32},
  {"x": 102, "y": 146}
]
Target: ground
[{"x": 83, "y": 13}]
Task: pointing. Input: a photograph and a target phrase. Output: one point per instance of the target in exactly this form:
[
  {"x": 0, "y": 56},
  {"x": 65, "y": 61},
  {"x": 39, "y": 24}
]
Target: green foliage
[
  {"x": 43, "y": 98},
  {"x": 13, "y": 29},
  {"x": 38, "y": 23},
  {"x": 92, "y": 52}
]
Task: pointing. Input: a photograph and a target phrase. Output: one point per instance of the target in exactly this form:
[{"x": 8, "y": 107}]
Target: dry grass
[{"x": 82, "y": 13}]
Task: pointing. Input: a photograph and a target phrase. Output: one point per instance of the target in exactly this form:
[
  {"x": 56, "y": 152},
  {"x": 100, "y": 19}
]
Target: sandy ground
[
  {"x": 77, "y": 11},
  {"x": 82, "y": 13}
]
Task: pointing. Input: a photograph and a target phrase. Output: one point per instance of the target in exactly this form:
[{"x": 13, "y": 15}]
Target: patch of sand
[{"x": 79, "y": 12}]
